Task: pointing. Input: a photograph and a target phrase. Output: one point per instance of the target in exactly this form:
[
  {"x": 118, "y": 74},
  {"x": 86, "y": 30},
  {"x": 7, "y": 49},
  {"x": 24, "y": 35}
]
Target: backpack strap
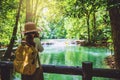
[{"x": 38, "y": 60}]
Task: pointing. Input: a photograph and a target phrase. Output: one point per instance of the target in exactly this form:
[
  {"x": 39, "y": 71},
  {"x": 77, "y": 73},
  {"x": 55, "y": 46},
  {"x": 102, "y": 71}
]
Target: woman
[{"x": 30, "y": 39}]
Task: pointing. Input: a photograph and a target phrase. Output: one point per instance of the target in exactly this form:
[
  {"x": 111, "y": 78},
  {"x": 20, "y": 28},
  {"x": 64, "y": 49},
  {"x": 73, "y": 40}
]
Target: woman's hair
[{"x": 30, "y": 39}]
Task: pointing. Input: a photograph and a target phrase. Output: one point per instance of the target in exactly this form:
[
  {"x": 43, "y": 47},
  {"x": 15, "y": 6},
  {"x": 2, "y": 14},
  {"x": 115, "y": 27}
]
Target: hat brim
[{"x": 35, "y": 30}]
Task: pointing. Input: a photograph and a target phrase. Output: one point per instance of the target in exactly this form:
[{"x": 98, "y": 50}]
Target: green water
[{"x": 71, "y": 55}]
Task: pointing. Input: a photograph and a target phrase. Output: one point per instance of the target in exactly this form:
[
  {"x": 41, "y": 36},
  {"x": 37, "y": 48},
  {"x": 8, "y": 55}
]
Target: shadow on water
[{"x": 62, "y": 52}]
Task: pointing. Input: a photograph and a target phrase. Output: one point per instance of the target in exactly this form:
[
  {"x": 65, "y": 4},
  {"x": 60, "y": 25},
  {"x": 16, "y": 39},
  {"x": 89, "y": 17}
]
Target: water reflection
[
  {"x": 74, "y": 55},
  {"x": 64, "y": 53}
]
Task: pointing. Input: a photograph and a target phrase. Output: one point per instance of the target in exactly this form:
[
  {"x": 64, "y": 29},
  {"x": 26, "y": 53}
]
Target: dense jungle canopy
[
  {"x": 90, "y": 20},
  {"x": 73, "y": 19}
]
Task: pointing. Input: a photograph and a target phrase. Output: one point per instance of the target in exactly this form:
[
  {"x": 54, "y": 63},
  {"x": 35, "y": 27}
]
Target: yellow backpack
[{"x": 25, "y": 61}]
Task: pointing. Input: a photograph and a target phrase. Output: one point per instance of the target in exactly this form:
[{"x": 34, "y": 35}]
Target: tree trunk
[
  {"x": 31, "y": 10},
  {"x": 29, "y": 14},
  {"x": 88, "y": 27},
  {"x": 114, "y": 12},
  {"x": 35, "y": 11},
  {"x": 94, "y": 28},
  {"x": 10, "y": 46}
]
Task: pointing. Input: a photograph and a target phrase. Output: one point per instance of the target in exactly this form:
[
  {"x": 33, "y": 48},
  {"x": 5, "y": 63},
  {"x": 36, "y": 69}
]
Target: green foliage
[
  {"x": 7, "y": 19},
  {"x": 59, "y": 19}
]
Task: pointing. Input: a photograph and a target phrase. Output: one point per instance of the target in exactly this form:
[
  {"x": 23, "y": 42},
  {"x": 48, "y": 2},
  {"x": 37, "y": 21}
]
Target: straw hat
[{"x": 30, "y": 27}]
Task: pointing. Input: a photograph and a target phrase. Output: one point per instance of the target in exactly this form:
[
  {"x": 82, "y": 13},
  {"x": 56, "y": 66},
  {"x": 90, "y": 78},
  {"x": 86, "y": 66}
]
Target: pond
[{"x": 64, "y": 53}]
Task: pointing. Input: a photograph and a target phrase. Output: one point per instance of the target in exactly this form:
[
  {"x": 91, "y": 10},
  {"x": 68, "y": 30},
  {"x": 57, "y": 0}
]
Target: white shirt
[{"x": 38, "y": 46}]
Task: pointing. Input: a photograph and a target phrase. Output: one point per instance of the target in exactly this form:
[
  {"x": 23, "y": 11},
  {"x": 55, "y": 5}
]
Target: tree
[
  {"x": 10, "y": 46},
  {"x": 29, "y": 14},
  {"x": 114, "y": 11}
]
